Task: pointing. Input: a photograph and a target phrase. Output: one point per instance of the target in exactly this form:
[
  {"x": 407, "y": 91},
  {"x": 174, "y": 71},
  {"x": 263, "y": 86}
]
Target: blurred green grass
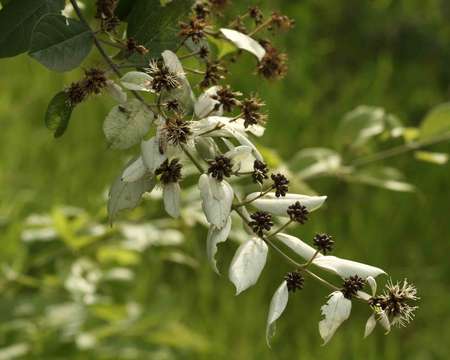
[{"x": 393, "y": 54}]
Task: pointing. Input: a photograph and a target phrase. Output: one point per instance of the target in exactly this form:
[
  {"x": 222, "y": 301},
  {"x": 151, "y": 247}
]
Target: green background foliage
[{"x": 393, "y": 54}]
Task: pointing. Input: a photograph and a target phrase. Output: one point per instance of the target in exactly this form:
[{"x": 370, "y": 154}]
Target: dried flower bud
[
  {"x": 133, "y": 46},
  {"x": 261, "y": 221},
  {"x": 213, "y": 74},
  {"x": 219, "y": 4},
  {"x": 227, "y": 98},
  {"x": 324, "y": 243},
  {"x": 76, "y": 93},
  {"x": 220, "y": 168},
  {"x": 203, "y": 53},
  {"x": 282, "y": 21},
  {"x": 256, "y": 14},
  {"x": 274, "y": 64},
  {"x": 105, "y": 13},
  {"x": 173, "y": 105},
  {"x": 163, "y": 78},
  {"x": 294, "y": 281},
  {"x": 94, "y": 81},
  {"x": 351, "y": 286},
  {"x": 170, "y": 171},
  {"x": 297, "y": 212},
  {"x": 280, "y": 184},
  {"x": 176, "y": 131},
  {"x": 251, "y": 113},
  {"x": 194, "y": 29},
  {"x": 201, "y": 10},
  {"x": 260, "y": 171}
]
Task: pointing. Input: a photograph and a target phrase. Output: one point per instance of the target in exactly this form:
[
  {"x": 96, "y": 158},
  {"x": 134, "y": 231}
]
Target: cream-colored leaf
[
  {"x": 346, "y": 268},
  {"x": 279, "y": 206},
  {"x": 151, "y": 154},
  {"x": 370, "y": 325},
  {"x": 277, "y": 305},
  {"x": 298, "y": 246},
  {"x": 171, "y": 197},
  {"x": 248, "y": 263},
  {"x": 215, "y": 237},
  {"x": 244, "y": 42},
  {"x": 134, "y": 171},
  {"x": 335, "y": 312}
]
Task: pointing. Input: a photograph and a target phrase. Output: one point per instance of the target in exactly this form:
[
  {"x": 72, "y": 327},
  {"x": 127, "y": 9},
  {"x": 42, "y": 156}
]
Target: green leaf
[
  {"x": 124, "y": 8},
  {"x": 223, "y": 47},
  {"x": 58, "y": 114},
  {"x": 17, "y": 21},
  {"x": 60, "y": 43},
  {"x": 361, "y": 124},
  {"x": 156, "y": 26},
  {"x": 436, "y": 122}
]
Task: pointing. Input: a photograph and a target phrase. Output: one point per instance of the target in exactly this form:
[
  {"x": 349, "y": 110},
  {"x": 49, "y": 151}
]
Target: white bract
[
  {"x": 206, "y": 105},
  {"x": 277, "y": 305},
  {"x": 335, "y": 312},
  {"x": 171, "y": 198},
  {"x": 346, "y": 268},
  {"x": 298, "y": 246},
  {"x": 134, "y": 171},
  {"x": 217, "y": 198},
  {"x": 244, "y": 42},
  {"x": 248, "y": 263},
  {"x": 137, "y": 81},
  {"x": 151, "y": 154},
  {"x": 279, "y": 205},
  {"x": 215, "y": 237},
  {"x": 127, "y": 124},
  {"x": 242, "y": 158}
]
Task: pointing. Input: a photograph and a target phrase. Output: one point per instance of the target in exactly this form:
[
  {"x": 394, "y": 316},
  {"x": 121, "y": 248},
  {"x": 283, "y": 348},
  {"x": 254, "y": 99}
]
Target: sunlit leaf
[
  {"x": 432, "y": 157},
  {"x": 346, "y": 268},
  {"x": 437, "y": 121}
]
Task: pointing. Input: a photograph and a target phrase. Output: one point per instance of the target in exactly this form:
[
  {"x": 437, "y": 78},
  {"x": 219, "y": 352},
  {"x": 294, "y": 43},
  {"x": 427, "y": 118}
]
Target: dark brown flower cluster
[
  {"x": 93, "y": 82},
  {"x": 294, "y": 281},
  {"x": 298, "y": 213},
  {"x": 163, "y": 78},
  {"x": 351, "y": 286},
  {"x": 274, "y": 64},
  {"x": 105, "y": 13},
  {"x": 256, "y": 14},
  {"x": 227, "y": 98},
  {"x": 213, "y": 74},
  {"x": 324, "y": 243},
  {"x": 201, "y": 10},
  {"x": 170, "y": 171},
  {"x": 251, "y": 111},
  {"x": 280, "y": 184},
  {"x": 260, "y": 171},
  {"x": 220, "y": 168},
  {"x": 194, "y": 29},
  {"x": 176, "y": 131},
  {"x": 282, "y": 22},
  {"x": 261, "y": 222}
]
